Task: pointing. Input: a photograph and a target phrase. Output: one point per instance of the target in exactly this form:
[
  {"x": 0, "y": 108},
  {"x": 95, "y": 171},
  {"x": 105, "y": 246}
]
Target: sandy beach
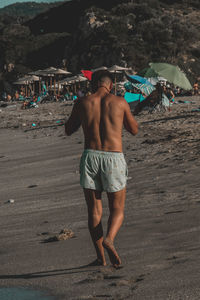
[{"x": 159, "y": 242}]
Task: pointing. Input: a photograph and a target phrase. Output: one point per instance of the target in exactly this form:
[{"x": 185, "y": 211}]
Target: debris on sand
[
  {"x": 64, "y": 235},
  {"x": 11, "y": 201}
]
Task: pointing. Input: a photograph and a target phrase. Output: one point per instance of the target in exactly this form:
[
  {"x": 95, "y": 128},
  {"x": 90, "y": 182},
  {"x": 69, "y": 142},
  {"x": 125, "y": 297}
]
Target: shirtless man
[{"x": 103, "y": 167}]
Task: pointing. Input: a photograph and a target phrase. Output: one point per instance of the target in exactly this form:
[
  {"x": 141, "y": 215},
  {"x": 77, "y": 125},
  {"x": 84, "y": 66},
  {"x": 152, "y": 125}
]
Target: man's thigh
[
  {"x": 93, "y": 200},
  {"x": 116, "y": 200}
]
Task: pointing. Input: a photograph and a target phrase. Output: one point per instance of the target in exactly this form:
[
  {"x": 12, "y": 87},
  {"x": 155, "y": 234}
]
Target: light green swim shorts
[{"x": 103, "y": 171}]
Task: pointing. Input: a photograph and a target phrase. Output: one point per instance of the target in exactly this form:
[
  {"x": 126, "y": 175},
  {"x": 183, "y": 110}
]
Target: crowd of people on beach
[{"x": 34, "y": 97}]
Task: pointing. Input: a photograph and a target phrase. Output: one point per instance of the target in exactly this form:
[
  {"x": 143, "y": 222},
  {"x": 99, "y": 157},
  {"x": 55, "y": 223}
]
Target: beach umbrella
[
  {"x": 138, "y": 79},
  {"x": 155, "y": 80},
  {"x": 33, "y": 79},
  {"x": 37, "y": 72},
  {"x": 117, "y": 69},
  {"x": 151, "y": 75},
  {"x": 147, "y": 72},
  {"x": 49, "y": 72},
  {"x": 21, "y": 82},
  {"x": 100, "y": 68},
  {"x": 26, "y": 81},
  {"x": 42, "y": 73},
  {"x": 73, "y": 79},
  {"x": 173, "y": 74},
  {"x": 53, "y": 72},
  {"x": 65, "y": 81},
  {"x": 81, "y": 78},
  {"x": 57, "y": 71},
  {"x": 60, "y": 72},
  {"x": 144, "y": 88}
]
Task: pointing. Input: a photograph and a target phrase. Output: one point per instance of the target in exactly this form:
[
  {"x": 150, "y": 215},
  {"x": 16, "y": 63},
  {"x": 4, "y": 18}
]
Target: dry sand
[{"x": 159, "y": 242}]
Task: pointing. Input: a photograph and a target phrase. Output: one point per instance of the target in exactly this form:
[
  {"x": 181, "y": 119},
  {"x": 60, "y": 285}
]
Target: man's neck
[{"x": 102, "y": 86}]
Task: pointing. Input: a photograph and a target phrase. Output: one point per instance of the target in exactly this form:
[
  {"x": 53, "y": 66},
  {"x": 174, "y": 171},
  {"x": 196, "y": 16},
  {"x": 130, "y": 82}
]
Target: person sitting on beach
[
  {"x": 196, "y": 88},
  {"x": 152, "y": 100},
  {"x": 16, "y": 97},
  {"x": 169, "y": 93},
  {"x": 102, "y": 166},
  {"x": 9, "y": 97}
]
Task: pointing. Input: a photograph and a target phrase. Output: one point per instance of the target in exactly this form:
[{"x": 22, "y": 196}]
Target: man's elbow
[{"x": 134, "y": 130}]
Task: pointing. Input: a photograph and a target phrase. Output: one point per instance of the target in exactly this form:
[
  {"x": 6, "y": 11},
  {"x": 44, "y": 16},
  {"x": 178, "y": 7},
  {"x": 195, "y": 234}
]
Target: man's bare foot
[
  {"x": 98, "y": 262},
  {"x": 112, "y": 253}
]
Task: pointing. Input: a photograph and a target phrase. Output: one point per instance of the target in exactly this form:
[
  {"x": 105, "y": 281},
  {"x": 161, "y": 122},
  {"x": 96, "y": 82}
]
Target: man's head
[{"x": 101, "y": 78}]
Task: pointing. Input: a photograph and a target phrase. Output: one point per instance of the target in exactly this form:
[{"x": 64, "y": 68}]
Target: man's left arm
[{"x": 74, "y": 122}]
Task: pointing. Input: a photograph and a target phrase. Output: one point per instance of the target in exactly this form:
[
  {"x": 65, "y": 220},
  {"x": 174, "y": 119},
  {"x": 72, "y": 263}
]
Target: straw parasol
[
  {"x": 56, "y": 71},
  {"x": 73, "y": 80},
  {"x": 40, "y": 73},
  {"x": 100, "y": 68},
  {"x": 52, "y": 72},
  {"x": 26, "y": 80},
  {"x": 117, "y": 69}
]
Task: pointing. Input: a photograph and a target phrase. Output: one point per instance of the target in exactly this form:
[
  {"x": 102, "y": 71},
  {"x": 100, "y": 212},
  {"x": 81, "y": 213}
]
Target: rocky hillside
[
  {"x": 90, "y": 33},
  {"x": 27, "y": 9}
]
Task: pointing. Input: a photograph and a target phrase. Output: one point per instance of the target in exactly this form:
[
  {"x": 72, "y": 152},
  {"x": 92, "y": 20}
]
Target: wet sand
[{"x": 159, "y": 243}]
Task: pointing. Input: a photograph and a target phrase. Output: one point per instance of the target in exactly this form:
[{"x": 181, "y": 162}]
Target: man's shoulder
[
  {"x": 81, "y": 100},
  {"x": 87, "y": 98},
  {"x": 118, "y": 100},
  {"x": 115, "y": 98}
]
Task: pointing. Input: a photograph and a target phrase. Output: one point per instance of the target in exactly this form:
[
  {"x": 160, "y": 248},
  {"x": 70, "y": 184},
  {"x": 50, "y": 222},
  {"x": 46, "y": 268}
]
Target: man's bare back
[{"x": 102, "y": 117}]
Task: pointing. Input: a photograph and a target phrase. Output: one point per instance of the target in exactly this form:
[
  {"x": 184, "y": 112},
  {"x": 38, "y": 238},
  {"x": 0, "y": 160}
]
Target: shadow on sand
[
  {"x": 53, "y": 272},
  {"x": 168, "y": 119}
]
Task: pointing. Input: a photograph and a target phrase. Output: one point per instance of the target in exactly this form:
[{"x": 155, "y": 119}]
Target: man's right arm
[
  {"x": 74, "y": 122},
  {"x": 130, "y": 123}
]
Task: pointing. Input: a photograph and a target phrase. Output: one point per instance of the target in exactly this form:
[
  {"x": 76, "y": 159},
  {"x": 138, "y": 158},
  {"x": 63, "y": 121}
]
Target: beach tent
[{"x": 131, "y": 97}]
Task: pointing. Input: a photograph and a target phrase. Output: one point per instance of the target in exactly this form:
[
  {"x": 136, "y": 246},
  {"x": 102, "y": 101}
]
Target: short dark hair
[{"x": 100, "y": 75}]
